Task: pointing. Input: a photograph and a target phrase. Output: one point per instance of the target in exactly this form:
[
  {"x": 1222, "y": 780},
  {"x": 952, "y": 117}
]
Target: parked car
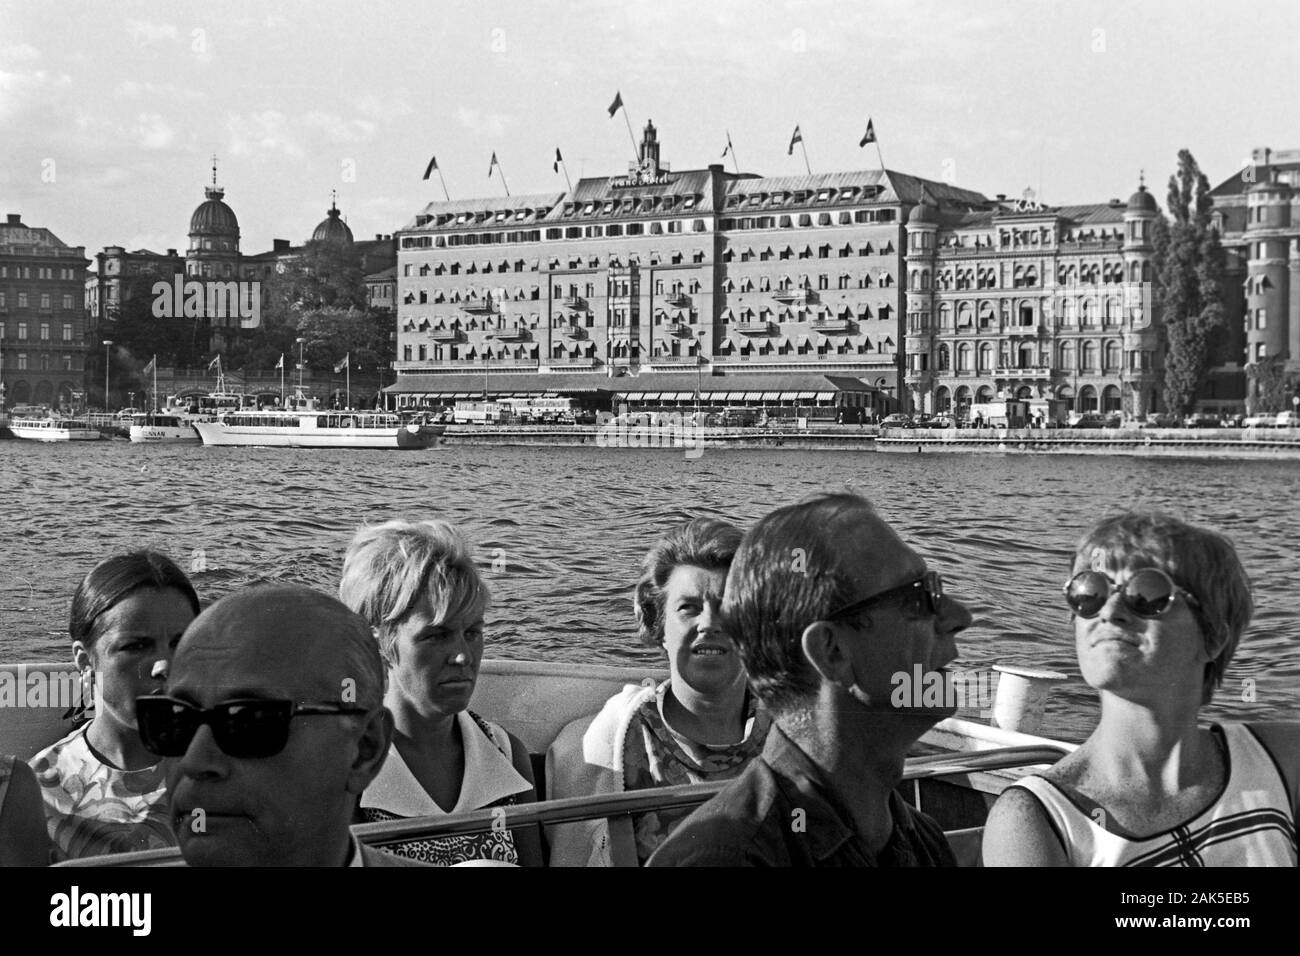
[
  {"x": 897, "y": 420},
  {"x": 1201, "y": 420},
  {"x": 1287, "y": 420},
  {"x": 1160, "y": 420},
  {"x": 1087, "y": 420},
  {"x": 943, "y": 421},
  {"x": 1260, "y": 421}
]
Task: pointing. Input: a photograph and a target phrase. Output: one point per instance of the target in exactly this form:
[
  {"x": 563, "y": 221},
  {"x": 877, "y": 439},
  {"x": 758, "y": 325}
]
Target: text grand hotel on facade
[{"x": 876, "y": 275}]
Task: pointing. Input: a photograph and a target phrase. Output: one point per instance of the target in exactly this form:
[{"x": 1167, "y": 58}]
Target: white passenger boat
[
  {"x": 54, "y": 429},
  {"x": 155, "y": 428},
  {"x": 318, "y": 429},
  {"x": 958, "y": 770}
]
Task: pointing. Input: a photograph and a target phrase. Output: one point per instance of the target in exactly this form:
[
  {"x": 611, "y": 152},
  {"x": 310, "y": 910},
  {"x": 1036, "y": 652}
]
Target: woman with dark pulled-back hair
[
  {"x": 103, "y": 791},
  {"x": 701, "y": 724}
]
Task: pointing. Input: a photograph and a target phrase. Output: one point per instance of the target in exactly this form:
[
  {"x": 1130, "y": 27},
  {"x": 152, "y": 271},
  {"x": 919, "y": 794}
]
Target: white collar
[{"x": 489, "y": 776}]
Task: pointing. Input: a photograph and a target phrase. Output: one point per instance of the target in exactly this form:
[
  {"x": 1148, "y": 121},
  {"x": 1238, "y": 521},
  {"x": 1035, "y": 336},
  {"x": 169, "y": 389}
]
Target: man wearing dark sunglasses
[
  {"x": 829, "y": 608},
  {"x": 273, "y": 717}
]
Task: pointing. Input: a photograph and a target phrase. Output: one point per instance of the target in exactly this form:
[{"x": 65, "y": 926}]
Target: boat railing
[{"x": 617, "y": 808}]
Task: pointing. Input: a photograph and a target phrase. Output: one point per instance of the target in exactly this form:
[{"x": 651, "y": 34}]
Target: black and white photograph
[{"x": 593, "y": 434}]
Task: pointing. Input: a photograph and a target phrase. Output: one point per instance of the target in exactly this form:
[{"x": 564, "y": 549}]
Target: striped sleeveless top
[{"x": 1250, "y": 824}]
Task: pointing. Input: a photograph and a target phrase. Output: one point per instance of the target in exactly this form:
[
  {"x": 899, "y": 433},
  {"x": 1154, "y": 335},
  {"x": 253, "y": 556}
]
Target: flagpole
[
  {"x": 735, "y": 162},
  {"x": 281, "y": 380},
  {"x": 565, "y": 167},
  {"x": 502, "y": 174},
  {"x": 348, "y": 386},
  {"x": 804, "y": 147},
  {"x": 636, "y": 153},
  {"x": 445, "y": 194},
  {"x": 155, "y": 382},
  {"x": 879, "y": 156}
]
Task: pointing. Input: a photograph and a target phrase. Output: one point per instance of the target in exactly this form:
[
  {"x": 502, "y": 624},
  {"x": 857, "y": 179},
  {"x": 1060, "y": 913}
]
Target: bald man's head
[
  {"x": 270, "y": 789},
  {"x": 308, "y": 644}
]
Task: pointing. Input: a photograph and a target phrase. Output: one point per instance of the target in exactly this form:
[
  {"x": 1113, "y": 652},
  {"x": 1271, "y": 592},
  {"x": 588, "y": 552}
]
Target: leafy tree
[
  {"x": 1273, "y": 389},
  {"x": 1190, "y": 264}
]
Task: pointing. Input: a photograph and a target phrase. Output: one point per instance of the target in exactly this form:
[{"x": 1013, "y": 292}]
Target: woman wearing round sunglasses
[
  {"x": 104, "y": 791},
  {"x": 416, "y": 584},
  {"x": 1158, "y": 608}
]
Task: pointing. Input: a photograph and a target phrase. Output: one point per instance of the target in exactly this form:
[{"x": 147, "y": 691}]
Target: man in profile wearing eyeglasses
[
  {"x": 827, "y": 605},
  {"x": 274, "y": 718}
]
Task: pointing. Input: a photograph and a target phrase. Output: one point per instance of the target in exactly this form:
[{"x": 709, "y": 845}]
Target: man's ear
[
  {"x": 823, "y": 645},
  {"x": 81, "y": 656},
  {"x": 372, "y": 748}
]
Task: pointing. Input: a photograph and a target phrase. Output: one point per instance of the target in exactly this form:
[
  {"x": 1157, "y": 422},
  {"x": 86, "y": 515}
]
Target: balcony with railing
[
  {"x": 516, "y": 334},
  {"x": 834, "y": 326},
  {"x": 479, "y": 306},
  {"x": 679, "y": 329},
  {"x": 1025, "y": 371},
  {"x": 795, "y": 296},
  {"x": 575, "y": 302},
  {"x": 756, "y": 328},
  {"x": 573, "y": 332},
  {"x": 679, "y": 300},
  {"x": 447, "y": 335}
]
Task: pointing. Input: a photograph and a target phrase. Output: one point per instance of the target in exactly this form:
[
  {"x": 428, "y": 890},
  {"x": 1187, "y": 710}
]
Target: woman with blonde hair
[{"x": 415, "y": 582}]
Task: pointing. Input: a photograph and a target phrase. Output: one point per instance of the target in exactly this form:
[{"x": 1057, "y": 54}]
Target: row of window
[
  {"x": 24, "y": 301},
  {"x": 805, "y": 220},
  {"x": 43, "y": 362},
  {"x": 824, "y": 251},
  {"x": 42, "y": 272},
  {"x": 44, "y": 330},
  {"x": 981, "y": 358}
]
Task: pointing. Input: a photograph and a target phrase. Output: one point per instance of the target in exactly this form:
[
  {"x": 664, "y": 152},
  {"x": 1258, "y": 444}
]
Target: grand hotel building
[{"x": 871, "y": 288}]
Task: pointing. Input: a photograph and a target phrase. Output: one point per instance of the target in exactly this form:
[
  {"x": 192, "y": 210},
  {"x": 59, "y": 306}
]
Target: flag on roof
[
  {"x": 616, "y": 105},
  {"x": 153, "y": 364},
  {"x": 796, "y": 138},
  {"x": 869, "y": 136},
  {"x": 343, "y": 364},
  {"x": 728, "y": 149},
  {"x": 555, "y": 166},
  {"x": 433, "y": 164},
  {"x": 214, "y": 363},
  {"x": 280, "y": 364},
  {"x": 493, "y": 163}
]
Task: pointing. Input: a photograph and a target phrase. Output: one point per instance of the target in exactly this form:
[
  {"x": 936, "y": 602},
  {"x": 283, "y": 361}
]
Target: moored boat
[
  {"x": 154, "y": 428},
  {"x": 318, "y": 429},
  {"x": 54, "y": 429}
]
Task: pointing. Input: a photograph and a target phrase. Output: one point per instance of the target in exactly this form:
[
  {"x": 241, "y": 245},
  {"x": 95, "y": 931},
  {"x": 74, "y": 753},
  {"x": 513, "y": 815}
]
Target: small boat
[
  {"x": 156, "y": 428},
  {"x": 54, "y": 429},
  {"x": 313, "y": 428}
]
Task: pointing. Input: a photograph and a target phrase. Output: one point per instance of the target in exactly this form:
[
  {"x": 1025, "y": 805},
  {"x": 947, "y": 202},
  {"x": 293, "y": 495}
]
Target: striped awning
[
  {"x": 770, "y": 397},
  {"x": 647, "y": 396},
  {"x": 824, "y": 397},
  {"x": 806, "y": 395},
  {"x": 733, "y": 396},
  {"x": 789, "y": 396}
]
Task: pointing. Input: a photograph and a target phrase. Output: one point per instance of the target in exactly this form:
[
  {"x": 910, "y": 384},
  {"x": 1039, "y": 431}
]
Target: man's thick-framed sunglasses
[
  {"x": 1148, "y": 593},
  {"x": 255, "y": 727},
  {"x": 925, "y": 593}
]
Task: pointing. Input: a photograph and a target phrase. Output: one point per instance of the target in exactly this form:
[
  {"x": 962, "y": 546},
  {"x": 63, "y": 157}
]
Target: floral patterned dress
[{"x": 92, "y": 808}]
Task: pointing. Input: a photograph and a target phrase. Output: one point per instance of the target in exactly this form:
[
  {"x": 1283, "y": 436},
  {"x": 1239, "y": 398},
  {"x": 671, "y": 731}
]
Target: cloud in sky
[
  {"x": 483, "y": 122},
  {"x": 151, "y": 131},
  {"x": 338, "y": 129},
  {"x": 19, "y": 53},
  {"x": 262, "y": 133},
  {"x": 146, "y": 90}
]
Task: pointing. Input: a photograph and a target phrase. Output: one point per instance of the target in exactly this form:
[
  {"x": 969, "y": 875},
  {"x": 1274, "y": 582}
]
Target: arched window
[
  {"x": 1088, "y": 354},
  {"x": 986, "y": 357},
  {"x": 1067, "y": 356},
  {"x": 963, "y": 358},
  {"x": 943, "y": 358},
  {"x": 1112, "y": 356}
]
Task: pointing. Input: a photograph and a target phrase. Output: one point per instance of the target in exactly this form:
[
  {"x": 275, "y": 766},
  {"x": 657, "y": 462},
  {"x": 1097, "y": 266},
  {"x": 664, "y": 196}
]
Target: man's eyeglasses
[
  {"x": 925, "y": 594},
  {"x": 242, "y": 728},
  {"x": 1148, "y": 593}
]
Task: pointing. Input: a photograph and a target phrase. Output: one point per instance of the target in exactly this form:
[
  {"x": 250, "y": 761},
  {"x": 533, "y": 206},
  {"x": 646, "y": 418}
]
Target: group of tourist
[{"x": 782, "y": 645}]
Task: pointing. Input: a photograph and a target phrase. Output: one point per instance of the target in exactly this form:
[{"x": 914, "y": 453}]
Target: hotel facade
[{"x": 741, "y": 289}]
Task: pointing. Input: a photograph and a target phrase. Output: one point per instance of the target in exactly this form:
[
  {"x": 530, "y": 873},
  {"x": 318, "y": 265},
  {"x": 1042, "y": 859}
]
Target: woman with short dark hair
[
  {"x": 701, "y": 724},
  {"x": 1159, "y": 607},
  {"x": 104, "y": 792}
]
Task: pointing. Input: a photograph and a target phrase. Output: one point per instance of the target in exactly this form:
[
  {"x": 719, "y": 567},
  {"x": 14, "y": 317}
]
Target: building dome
[
  {"x": 214, "y": 217},
  {"x": 1142, "y": 201},
  {"x": 332, "y": 229},
  {"x": 924, "y": 213}
]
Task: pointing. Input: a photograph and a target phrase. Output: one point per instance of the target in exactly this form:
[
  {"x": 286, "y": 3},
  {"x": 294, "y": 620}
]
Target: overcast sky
[{"x": 109, "y": 112}]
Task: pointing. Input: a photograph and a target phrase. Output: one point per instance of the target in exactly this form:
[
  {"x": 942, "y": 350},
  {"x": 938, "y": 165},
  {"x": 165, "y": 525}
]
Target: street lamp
[{"x": 108, "y": 344}]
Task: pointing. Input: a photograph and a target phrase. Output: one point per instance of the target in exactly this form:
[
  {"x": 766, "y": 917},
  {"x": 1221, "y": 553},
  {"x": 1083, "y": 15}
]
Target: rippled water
[{"x": 565, "y": 529}]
